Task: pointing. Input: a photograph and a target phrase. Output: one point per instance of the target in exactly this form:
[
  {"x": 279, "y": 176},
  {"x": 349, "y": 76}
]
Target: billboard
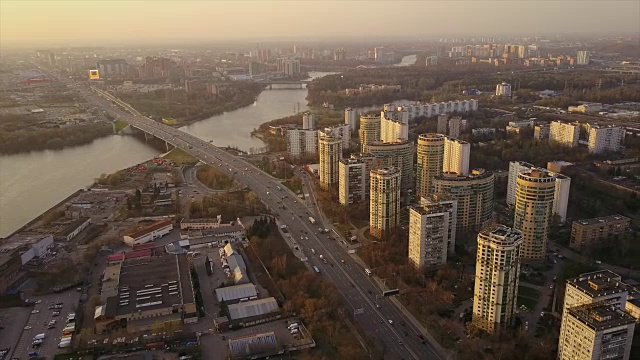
[{"x": 94, "y": 74}]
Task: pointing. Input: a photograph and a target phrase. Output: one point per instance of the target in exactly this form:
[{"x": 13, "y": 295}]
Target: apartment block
[
  {"x": 450, "y": 125},
  {"x": 343, "y": 131},
  {"x": 456, "y": 156},
  {"x": 392, "y": 130},
  {"x": 474, "y": 194},
  {"x": 430, "y": 159},
  {"x": 308, "y": 120},
  {"x": 434, "y": 109},
  {"x": 432, "y": 232},
  {"x": 497, "y": 270},
  {"x": 351, "y": 118},
  {"x": 369, "y": 131},
  {"x": 589, "y": 232},
  {"x": 605, "y": 138},
  {"x": 330, "y": 150},
  {"x": 564, "y": 134},
  {"x": 353, "y": 181},
  {"x": 397, "y": 154},
  {"x": 384, "y": 201},
  {"x": 596, "y": 331},
  {"x": 534, "y": 210},
  {"x": 541, "y": 132},
  {"x": 561, "y": 195},
  {"x": 301, "y": 143}
]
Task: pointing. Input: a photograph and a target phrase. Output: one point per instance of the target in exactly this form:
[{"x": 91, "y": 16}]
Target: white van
[
  {"x": 39, "y": 336},
  {"x": 368, "y": 272},
  {"x": 293, "y": 326},
  {"x": 294, "y": 331}
]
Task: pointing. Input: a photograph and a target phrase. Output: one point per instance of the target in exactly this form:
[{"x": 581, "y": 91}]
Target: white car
[
  {"x": 27, "y": 327},
  {"x": 35, "y": 311}
]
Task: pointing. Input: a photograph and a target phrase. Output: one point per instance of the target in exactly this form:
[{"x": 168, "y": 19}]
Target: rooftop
[
  {"x": 72, "y": 226},
  {"x": 601, "y": 316},
  {"x": 599, "y": 283},
  {"x": 601, "y": 220},
  {"x": 254, "y": 344},
  {"x": 253, "y": 308},
  {"x": 152, "y": 283},
  {"x": 153, "y": 227},
  {"x": 236, "y": 292}
]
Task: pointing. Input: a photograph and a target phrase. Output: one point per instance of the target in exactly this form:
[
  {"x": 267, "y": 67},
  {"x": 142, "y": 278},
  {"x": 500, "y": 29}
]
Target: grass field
[{"x": 180, "y": 157}]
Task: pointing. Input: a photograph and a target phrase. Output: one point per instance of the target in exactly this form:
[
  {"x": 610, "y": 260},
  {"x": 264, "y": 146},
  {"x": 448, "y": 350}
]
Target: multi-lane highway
[{"x": 379, "y": 318}]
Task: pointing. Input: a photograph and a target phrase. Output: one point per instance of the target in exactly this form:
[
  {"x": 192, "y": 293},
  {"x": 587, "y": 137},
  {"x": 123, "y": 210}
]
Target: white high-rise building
[
  {"x": 343, "y": 131},
  {"x": 330, "y": 150},
  {"x": 605, "y": 138},
  {"x": 351, "y": 118},
  {"x": 562, "y": 187},
  {"x": 353, "y": 181},
  {"x": 301, "y": 143},
  {"x": 497, "y": 270},
  {"x": 456, "y": 156},
  {"x": 392, "y": 130},
  {"x": 582, "y": 57},
  {"x": 308, "y": 121},
  {"x": 503, "y": 89},
  {"x": 432, "y": 232},
  {"x": 384, "y": 201},
  {"x": 564, "y": 134}
]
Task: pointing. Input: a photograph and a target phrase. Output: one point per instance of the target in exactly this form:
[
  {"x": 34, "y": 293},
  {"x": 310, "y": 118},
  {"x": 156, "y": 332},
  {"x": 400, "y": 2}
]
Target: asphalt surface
[{"x": 384, "y": 323}]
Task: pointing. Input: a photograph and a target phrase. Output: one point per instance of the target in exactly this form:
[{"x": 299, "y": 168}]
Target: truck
[{"x": 312, "y": 220}]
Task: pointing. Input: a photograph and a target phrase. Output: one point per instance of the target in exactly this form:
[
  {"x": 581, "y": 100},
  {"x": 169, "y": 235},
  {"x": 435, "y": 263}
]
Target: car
[
  {"x": 55, "y": 314},
  {"x": 38, "y": 301},
  {"x": 390, "y": 321},
  {"x": 35, "y": 311},
  {"x": 551, "y": 286},
  {"x": 27, "y": 327},
  {"x": 542, "y": 313}
]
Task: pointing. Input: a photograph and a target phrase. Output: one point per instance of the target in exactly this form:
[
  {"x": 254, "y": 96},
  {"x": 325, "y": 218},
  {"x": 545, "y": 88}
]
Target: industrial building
[
  {"x": 149, "y": 233},
  {"x": 236, "y": 293},
  {"x": 255, "y": 346},
  {"x": 145, "y": 293}
]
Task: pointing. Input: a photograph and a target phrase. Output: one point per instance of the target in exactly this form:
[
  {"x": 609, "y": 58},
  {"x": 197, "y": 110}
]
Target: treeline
[
  {"x": 23, "y": 141},
  {"x": 213, "y": 178},
  {"x": 315, "y": 300},
  {"x": 415, "y": 83},
  {"x": 184, "y": 106},
  {"x": 230, "y": 205}
]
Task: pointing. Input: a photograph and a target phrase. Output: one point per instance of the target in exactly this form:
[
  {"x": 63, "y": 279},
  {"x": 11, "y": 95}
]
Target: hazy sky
[{"x": 85, "y": 22}]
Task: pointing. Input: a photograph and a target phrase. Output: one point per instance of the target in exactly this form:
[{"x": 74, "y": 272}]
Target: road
[{"x": 385, "y": 322}]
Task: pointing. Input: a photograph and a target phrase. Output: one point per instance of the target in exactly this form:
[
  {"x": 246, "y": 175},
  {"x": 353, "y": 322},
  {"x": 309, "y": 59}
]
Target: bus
[{"x": 315, "y": 268}]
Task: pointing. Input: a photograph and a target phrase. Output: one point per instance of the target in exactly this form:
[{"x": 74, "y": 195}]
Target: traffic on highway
[{"x": 379, "y": 317}]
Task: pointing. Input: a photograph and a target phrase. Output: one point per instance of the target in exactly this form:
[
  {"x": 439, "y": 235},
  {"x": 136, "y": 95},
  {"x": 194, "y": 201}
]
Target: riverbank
[{"x": 15, "y": 142}]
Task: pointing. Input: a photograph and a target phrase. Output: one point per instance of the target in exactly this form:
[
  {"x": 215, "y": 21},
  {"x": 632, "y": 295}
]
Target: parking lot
[{"x": 38, "y": 323}]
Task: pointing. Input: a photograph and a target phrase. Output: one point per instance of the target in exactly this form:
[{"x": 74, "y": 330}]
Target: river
[{"x": 31, "y": 183}]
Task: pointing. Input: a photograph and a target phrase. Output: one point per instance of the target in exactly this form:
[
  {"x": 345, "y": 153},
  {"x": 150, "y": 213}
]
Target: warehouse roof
[
  {"x": 253, "y": 308},
  {"x": 253, "y": 345},
  {"x": 236, "y": 292}
]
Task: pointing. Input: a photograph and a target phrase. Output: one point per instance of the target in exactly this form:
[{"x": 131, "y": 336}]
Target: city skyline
[{"x": 29, "y": 23}]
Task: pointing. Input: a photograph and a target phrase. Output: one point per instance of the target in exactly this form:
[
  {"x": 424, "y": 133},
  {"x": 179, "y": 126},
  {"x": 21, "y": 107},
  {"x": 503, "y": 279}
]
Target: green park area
[{"x": 180, "y": 157}]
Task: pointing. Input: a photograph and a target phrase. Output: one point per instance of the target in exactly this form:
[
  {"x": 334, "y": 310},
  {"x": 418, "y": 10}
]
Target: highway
[{"x": 381, "y": 320}]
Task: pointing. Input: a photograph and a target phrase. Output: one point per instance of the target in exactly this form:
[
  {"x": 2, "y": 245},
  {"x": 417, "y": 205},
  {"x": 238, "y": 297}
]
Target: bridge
[{"x": 295, "y": 84}]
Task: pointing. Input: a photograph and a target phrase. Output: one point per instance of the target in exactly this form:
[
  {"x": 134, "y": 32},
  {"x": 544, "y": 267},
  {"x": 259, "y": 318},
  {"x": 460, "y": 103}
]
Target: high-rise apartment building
[
  {"x": 343, "y": 131},
  {"x": 351, "y": 118},
  {"x": 369, "y": 131},
  {"x": 392, "y": 130},
  {"x": 432, "y": 232},
  {"x": 395, "y": 154},
  {"x": 308, "y": 120},
  {"x": 353, "y": 181},
  {"x": 594, "y": 325},
  {"x": 564, "y": 134},
  {"x": 589, "y": 232},
  {"x": 535, "y": 191},
  {"x": 330, "y": 150},
  {"x": 497, "y": 270},
  {"x": 430, "y": 160},
  {"x": 541, "y": 131},
  {"x": 582, "y": 57},
  {"x": 561, "y": 196},
  {"x": 456, "y": 156},
  {"x": 450, "y": 125},
  {"x": 384, "y": 201},
  {"x": 301, "y": 143},
  {"x": 474, "y": 194},
  {"x": 596, "y": 331},
  {"x": 503, "y": 89},
  {"x": 605, "y": 138},
  {"x": 112, "y": 67},
  {"x": 288, "y": 66}
]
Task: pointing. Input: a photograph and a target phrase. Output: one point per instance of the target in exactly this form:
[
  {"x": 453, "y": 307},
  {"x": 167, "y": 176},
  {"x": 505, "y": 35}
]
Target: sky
[{"x": 27, "y": 23}]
